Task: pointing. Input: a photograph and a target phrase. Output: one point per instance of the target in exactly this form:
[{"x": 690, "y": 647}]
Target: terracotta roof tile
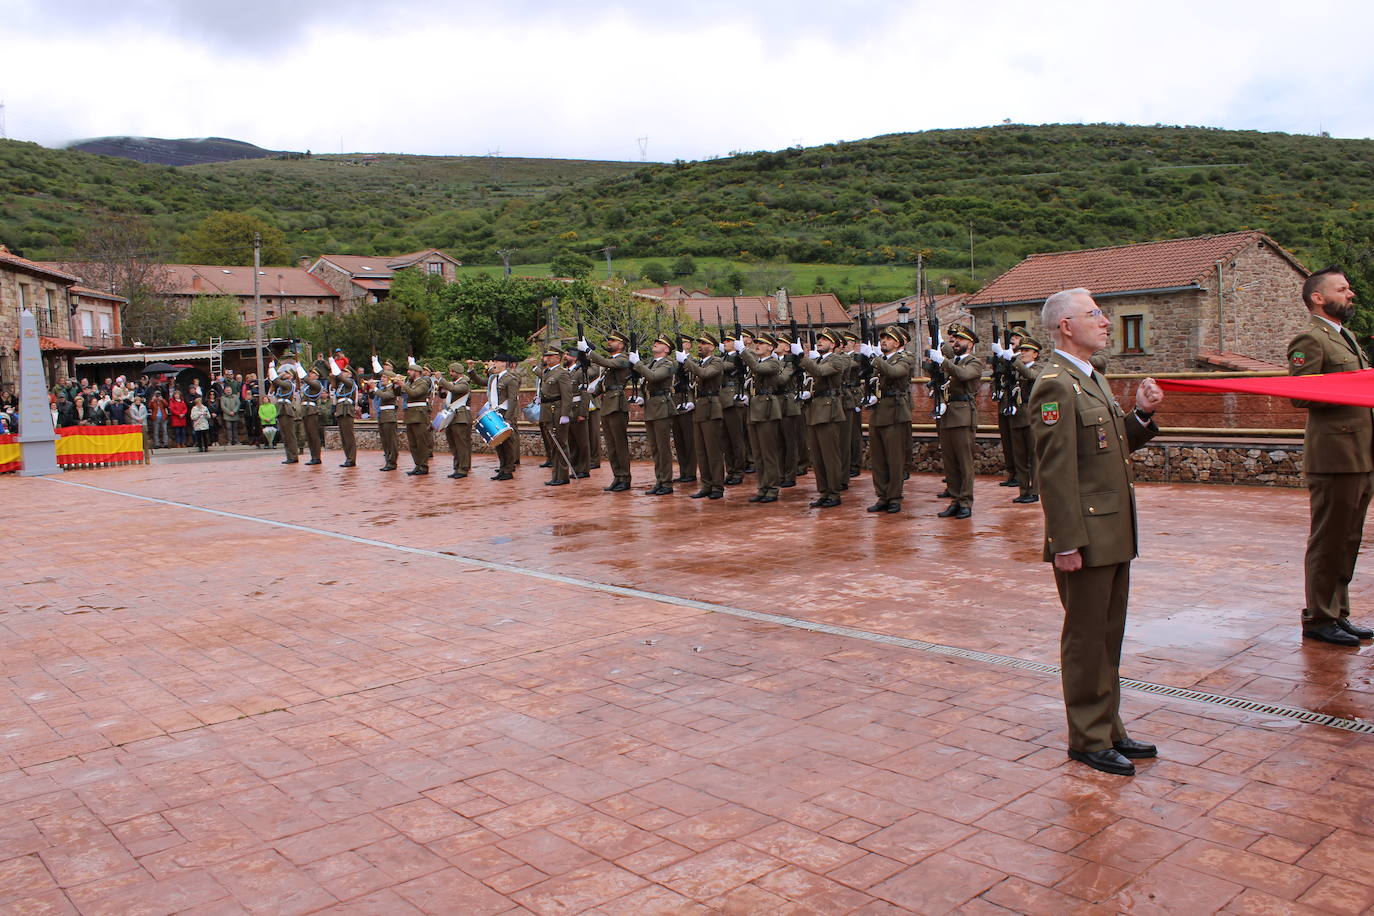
[
  {"x": 1125, "y": 268},
  {"x": 1235, "y": 362},
  {"x": 229, "y": 280},
  {"x": 10, "y": 259}
]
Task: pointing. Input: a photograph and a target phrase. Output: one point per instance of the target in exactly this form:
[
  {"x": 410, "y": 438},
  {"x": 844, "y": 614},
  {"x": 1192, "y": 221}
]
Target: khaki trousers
[
  {"x": 417, "y": 433},
  {"x": 855, "y": 432},
  {"x": 956, "y": 454},
  {"x": 660, "y": 435},
  {"x": 578, "y": 433},
  {"x": 287, "y": 426},
  {"x": 1094, "y": 600},
  {"x": 314, "y": 437},
  {"x": 1338, "y": 503},
  {"x": 390, "y": 439},
  {"x": 829, "y": 456},
  {"x": 613, "y": 428},
  {"x": 684, "y": 444},
  {"x": 1023, "y": 458},
  {"x": 459, "y": 436},
  {"x": 709, "y": 443},
  {"x": 887, "y": 455},
  {"x": 767, "y": 436},
  {"x": 347, "y": 438},
  {"x": 594, "y": 435},
  {"x": 1005, "y": 431},
  {"x": 792, "y": 434},
  {"x": 556, "y": 434}
]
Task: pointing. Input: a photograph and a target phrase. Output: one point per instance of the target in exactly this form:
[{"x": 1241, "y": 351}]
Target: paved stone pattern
[{"x": 209, "y": 715}]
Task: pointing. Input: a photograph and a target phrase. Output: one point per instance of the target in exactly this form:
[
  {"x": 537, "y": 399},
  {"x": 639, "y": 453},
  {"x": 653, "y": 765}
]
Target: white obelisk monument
[{"x": 37, "y": 439}]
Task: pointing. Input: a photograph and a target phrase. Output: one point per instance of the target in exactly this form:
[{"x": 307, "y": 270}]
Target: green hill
[{"x": 875, "y": 202}]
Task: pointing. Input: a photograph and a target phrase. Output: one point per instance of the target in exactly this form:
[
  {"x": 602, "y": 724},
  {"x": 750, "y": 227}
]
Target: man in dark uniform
[
  {"x": 768, "y": 377},
  {"x": 827, "y": 424},
  {"x": 502, "y": 382},
  {"x": 613, "y": 405},
  {"x": 889, "y": 421},
  {"x": 346, "y": 397},
  {"x": 288, "y": 412},
  {"x": 708, "y": 424},
  {"x": 417, "y": 390},
  {"x": 312, "y": 393},
  {"x": 389, "y": 415},
  {"x": 1006, "y": 403},
  {"x": 579, "y": 430},
  {"x": 1083, "y": 442},
  {"x": 555, "y": 413},
  {"x": 959, "y": 423},
  {"x": 1027, "y": 370},
  {"x": 732, "y": 404},
  {"x": 658, "y": 410},
  {"x": 684, "y": 443},
  {"x": 458, "y": 432},
  {"x": 593, "y": 396},
  {"x": 1338, "y": 461}
]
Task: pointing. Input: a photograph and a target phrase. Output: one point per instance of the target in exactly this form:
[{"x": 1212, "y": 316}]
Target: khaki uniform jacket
[
  {"x": 853, "y": 381},
  {"x": 312, "y": 393},
  {"x": 417, "y": 399},
  {"x": 769, "y": 377},
  {"x": 555, "y": 395},
  {"x": 791, "y": 407},
  {"x": 658, "y": 393},
  {"x": 965, "y": 376},
  {"x": 706, "y": 377},
  {"x": 507, "y": 392},
  {"x": 347, "y": 396},
  {"x": 288, "y": 407},
  {"x": 1027, "y": 373},
  {"x": 734, "y": 373},
  {"x": 611, "y": 392},
  {"x": 579, "y": 377},
  {"x": 894, "y": 389},
  {"x": 826, "y": 404},
  {"x": 458, "y": 387},
  {"x": 1083, "y": 445},
  {"x": 1339, "y": 437},
  {"x": 387, "y": 397}
]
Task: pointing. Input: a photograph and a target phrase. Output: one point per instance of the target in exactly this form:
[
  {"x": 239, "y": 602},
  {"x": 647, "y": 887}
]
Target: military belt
[
  {"x": 659, "y": 394},
  {"x": 958, "y": 398},
  {"x": 709, "y": 394},
  {"x": 824, "y": 393}
]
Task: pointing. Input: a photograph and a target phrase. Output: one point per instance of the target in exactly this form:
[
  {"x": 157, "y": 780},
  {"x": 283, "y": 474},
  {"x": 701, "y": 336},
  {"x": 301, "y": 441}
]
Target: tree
[
  {"x": 225, "y": 237},
  {"x": 1349, "y": 245},
  {"x": 118, "y": 255},
  {"x": 571, "y": 264},
  {"x": 684, "y": 266},
  {"x": 211, "y": 316},
  {"x": 656, "y": 273}
]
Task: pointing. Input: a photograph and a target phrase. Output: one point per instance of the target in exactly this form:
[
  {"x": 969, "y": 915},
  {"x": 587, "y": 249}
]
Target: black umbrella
[{"x": 162, "y": 369}]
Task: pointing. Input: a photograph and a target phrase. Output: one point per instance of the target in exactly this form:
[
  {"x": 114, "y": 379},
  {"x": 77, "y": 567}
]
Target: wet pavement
[{"x": 292, "y": 689}]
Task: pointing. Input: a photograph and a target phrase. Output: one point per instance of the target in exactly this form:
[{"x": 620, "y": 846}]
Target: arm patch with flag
[{"x": 1049, "y": 413}]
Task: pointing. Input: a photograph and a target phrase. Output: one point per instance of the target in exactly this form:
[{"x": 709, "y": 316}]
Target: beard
[{"x": 1342, "y": 313}]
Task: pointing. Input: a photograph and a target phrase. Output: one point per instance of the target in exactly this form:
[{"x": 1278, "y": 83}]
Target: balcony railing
[{"x": 100, "y": 340}]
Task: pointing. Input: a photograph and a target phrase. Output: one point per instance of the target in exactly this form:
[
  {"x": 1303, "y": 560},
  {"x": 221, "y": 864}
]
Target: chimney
[
  {"x": 784, "y": 306},
  {"x": 196, "y": 283}
]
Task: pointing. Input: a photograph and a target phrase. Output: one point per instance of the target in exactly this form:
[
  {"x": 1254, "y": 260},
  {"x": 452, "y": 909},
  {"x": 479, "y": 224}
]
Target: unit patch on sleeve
[{"x": 1049, "y": 413}]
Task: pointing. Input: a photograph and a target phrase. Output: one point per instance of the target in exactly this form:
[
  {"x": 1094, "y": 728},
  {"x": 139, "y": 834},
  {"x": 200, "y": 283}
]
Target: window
[
  {"x": 1132, "y": 333},
  {"x": 87, "y": 325},
  {"x": 48, "y": 304},
  {"x": 24, "y": 295},
  {"x": 435, "y": 267}
]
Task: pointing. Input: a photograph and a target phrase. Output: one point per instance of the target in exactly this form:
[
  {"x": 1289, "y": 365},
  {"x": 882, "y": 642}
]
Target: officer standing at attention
[
  {"x": 614, "y": 405},
  {"x": 827, "y": 424},
  {"x": 1338, "y": 461},
  {"x": 579, "y": 430},
  {"x": 889, "y": 420},
  {"x": 733, "y": 402},
  {"x": 417, "y": 390},
  {"x": 312, "y": 393},
  {"x": 1083, "y": 445},
  {"x": 288, "y": 412},
  {"x": 959, "y": 423},
  {"x": 684, "y": 442},
  {"x": 555, "y": 413},
  {"x": 708, "y": 424},
  {"x": 389, "y": 415},
  {"x": 768, "y": 380},
  {"x": 457, "y": 391},
  {"x": 346, "y": 397},
  {"x": 658, "y": 410}
]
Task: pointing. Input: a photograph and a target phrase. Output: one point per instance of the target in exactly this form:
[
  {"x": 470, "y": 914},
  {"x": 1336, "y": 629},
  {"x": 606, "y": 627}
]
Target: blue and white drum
[{"x": 492, "y": 426}]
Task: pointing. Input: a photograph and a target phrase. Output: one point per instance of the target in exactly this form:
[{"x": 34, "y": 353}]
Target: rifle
[
  {"x": 682, "y": 382},
  {"x": 582, "y": 361},
  {"x": 1012, "y": 385},
  {"x": 999, "y": 393},
  {"x": 938, "y": 383},
  {"x": 720, "y": 328},
  {"x": 810, "y": 329},
  {"x": 740, "y": 369}
]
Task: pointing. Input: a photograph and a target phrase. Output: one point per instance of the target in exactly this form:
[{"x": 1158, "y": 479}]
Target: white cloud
[{"x": 585, "y": 80}]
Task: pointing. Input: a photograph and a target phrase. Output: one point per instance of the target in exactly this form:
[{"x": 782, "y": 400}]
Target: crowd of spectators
[{"x": 171, "y": 414}]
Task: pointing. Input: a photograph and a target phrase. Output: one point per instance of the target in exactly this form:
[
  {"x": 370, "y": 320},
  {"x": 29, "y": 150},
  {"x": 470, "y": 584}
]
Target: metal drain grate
[{"x": 1359, "y": 726}]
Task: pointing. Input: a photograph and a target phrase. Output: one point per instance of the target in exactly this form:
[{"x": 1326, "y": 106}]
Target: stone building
[
  {"x": 355, "y": 278},
  {"x": 285, "y": 291},
  {"x": 1215, "y": 302},
  {"x": 97, "y": 322},
  {"x": 45, "y": 292}
]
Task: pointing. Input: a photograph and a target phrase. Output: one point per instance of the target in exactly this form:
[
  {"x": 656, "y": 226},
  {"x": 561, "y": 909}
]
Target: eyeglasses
[{"x": 1092, "y": 313}]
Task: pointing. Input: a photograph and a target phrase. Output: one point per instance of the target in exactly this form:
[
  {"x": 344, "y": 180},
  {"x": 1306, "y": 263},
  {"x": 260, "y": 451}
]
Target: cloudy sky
[{"x": 583, "y": 79}]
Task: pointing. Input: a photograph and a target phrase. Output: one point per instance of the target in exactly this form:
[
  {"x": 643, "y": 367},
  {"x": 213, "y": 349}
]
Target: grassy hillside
[{"x": 873, "y": 203}]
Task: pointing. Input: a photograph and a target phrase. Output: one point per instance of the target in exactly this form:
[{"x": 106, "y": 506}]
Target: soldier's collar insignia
[{"x": 1049, "y": 413}]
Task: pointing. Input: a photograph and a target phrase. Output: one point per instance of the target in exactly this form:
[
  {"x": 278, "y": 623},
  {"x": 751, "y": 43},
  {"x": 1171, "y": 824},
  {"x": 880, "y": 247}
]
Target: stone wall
[
  {"x": 340, "y": 281},
  {"x": 1261, "y": 302},
  {"x": 38, "y": 292}
]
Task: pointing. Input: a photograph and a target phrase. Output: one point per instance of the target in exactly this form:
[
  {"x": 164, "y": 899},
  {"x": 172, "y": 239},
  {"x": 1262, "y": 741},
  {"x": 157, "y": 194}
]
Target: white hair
[{"x": 1058, "y": 307}]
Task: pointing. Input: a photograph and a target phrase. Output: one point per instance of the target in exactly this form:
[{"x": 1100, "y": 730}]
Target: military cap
[
  {"x": 1029, "y": 343},
  {"x": 553, "y": 351},
  {"x": 683, "y": 335},
  {"x": 387, "y": 362},
  {"x": 729, "y": 335},
  {"x": 665, "y": 340},
  {"x": 346, "y": 369},
  {"x": 504, "y": 358},
  {"x": 851, "y": 337},
  {"x": 781, "y": 338},
  {"x": 455, "y": 367},
  {"x": 835, "y": 337},
  {"x": 895, "y": 333},
  {"x": 765, "y": 337},
  {"x": 617, "y": 335},
  {"x": 707, "y": 338},
  {"x": 959, "y": 330}
]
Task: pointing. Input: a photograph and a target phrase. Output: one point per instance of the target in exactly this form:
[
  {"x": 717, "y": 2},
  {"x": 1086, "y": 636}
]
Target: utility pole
[
  {"x": 972, "y": 282},
  {"x": 505, "y": 254},
  {"x": 607, "y": 252},
  {"x": 257, "y": 311}
]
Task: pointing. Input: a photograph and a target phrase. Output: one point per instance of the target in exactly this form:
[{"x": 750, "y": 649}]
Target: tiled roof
[
  {"x": 238, "y": 281},
  {"x": 825, "y": 309},
  {"x": 1169, "y": 264},
  {"x": 380, "y": 268},
  {"x": 10, "y": 259},
  {"x": 89, "y": 293},
  {"x": 673, "y": 292},
  {"x": 1235, "y": 362}
]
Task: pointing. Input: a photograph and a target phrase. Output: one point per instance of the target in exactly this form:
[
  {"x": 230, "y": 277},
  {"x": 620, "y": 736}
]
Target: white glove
[
  {"x": 690, "y": 405},
  {"x": 720, "y": 348},
  {"x": 563, "y": 421},
  {"x": 410, "y": 360},
  {"x": 869, "y": 350},
  {"x": 796, "y": 349},
  {"x": 333, "y": 366},
  {"x": 739, "y": 346},
  {"x": 744, "y": 399},
  {"x": 577, "y": 399},
  {"x": 300, "y": 373},
  {"x": 935, "y": 357},
  {"x": 272, "y": 369},
  {"x": 806, "y": 395},
  {"x": 681, "y": 356},
  {"x": 633, "y": 357},
  {"x": 376, "y": 365},
  {"x": 582, "y": 345},
  {"x": 813, "y": 354}
]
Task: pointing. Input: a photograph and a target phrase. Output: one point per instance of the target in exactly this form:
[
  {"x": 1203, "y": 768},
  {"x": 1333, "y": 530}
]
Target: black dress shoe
[
  {"x": 503, "y": 477},
  {"x": 944, "y": 494},
  {"x": 879, "y": 506},
  {"x": 893, "y": 508},
  {"x": 716, "y": 494},
  {"x": 594, "y": 467},
  {"x": 417, "y": 472},
  {"x": 387, "y": 467},
  {"x": 581, "y": 476},
  {"x": 1354, "y": 629},
  {"x": 816, "y": 503},
  {"x": 455, "y": 475},
  {"x": 555, "y": 483},
  {"x": 701, "y": 494},
  {"x": 1028, "y": 498},
  {"x": 1107, "y": 760},
  {"x": 1010, "y": 482},
  {"x": 349, "y": 464},
  {"x": 827, "y": 502},
  {"x": 291, "y": 461},
  {"x": 964, "y": 512},
  {"x": 853, "y": 472},
  {"x": 659, "y": 491},
  {"x": 749, "y": 469},
  {"x": 787, "y": 483},
  {"x": 547, "y": 464},
  {"x": 1135, "y": 750},
  {"x": 685, "y": 478},
  {"x": 770, "y": 498},
  {"x": 314, "y": 461},
  {"x": 1331, "y": 633},
  {"x": 948, "y": 511}
]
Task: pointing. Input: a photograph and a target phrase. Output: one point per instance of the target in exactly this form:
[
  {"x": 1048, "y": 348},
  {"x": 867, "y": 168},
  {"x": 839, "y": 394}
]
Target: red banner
[
  {"x": 9, "y": 453},
  {"x": 87, "y": 445},
  {"x": 1355, "y": 388}
]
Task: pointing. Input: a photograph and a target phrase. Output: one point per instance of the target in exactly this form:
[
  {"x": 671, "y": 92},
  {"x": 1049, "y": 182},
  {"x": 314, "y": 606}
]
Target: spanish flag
[
  {"x": 86, "y": 445},
  {"x": 9, "y": 454}
]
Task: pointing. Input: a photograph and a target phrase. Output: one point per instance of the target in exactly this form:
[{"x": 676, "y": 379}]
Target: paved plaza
[{"x": 241, "y": 687}]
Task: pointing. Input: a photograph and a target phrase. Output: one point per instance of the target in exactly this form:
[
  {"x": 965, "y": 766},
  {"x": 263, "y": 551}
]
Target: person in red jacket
[{"x": 178, "y": 409}]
